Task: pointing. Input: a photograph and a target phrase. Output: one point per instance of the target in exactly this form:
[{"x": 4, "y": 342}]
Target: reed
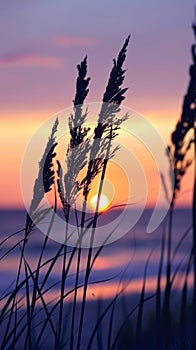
[
  {"x": 42, "y": 185},
  {"x": 179, "y": 163},
  {"x": 76, "y": 159},
  {"x": 107, "y": 124}
]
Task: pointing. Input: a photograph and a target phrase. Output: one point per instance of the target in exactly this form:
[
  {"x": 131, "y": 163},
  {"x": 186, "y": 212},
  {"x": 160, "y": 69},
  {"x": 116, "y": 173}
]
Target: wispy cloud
[
  {"x": 31, "y": 60},
  {"x": 64, "y": 40}
]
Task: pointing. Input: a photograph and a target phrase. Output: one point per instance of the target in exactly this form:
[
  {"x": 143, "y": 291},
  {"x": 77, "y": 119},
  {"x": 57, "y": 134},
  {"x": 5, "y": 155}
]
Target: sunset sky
[{"x": 43, "y": 41}]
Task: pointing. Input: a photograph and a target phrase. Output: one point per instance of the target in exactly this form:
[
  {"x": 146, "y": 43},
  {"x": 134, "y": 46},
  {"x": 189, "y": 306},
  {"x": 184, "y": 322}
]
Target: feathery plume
[
  {"x": 44, "y": 181},
  {"x": 180, "y": 146},
  {"x": 78, "y": 148},
  {"x": 108, "y": 123},
  {"x": 177, "y": 154}
]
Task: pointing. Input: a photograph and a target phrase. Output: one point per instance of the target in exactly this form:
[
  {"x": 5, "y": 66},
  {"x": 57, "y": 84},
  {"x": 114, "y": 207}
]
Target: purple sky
[{"x": 42, "y": 41}]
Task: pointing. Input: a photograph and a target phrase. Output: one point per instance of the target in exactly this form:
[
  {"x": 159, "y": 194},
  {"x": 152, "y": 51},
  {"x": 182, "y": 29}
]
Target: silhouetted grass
[{"x": 107, "y": 124}]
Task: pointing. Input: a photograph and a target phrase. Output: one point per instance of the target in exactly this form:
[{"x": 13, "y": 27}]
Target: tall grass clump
[
  {"x": 104, "y": 133},
  {"x": 43, "y": 184},
  {"x": 86, "y": 152},
  {"x": 182, "y": 139}
]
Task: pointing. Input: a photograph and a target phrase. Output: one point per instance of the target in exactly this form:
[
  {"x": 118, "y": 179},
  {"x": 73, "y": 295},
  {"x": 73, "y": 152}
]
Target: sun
[{"x": 103, "y": 204}]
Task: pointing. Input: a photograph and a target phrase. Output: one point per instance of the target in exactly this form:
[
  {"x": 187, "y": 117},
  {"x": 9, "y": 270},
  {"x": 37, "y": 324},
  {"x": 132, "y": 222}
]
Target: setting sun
[{"x": 103, "y": 204}]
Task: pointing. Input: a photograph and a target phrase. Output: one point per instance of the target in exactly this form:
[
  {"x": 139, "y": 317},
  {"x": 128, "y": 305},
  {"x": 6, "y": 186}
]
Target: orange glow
[
  {"x": 109, "y": 290},
  {"x": 17, "y": 129}
]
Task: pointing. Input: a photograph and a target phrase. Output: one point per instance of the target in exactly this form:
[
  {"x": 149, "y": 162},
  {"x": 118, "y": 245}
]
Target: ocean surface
[
  {"x": 125, "y": 258},
  {"x": 120, "y": 269}
]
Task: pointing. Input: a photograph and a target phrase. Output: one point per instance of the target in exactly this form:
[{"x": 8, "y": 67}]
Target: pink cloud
[
  {"x": 31, "y": 60},
  {"x": 64, "y": 40}
]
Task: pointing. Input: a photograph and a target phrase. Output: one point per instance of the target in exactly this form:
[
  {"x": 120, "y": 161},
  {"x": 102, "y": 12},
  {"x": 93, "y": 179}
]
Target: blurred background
[{"x": 42, "y": 43}]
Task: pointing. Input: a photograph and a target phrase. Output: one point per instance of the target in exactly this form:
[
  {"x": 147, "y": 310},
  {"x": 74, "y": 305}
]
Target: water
[
  {"x": 133, "y": 250},
  {"x": 118, "y": 268}
]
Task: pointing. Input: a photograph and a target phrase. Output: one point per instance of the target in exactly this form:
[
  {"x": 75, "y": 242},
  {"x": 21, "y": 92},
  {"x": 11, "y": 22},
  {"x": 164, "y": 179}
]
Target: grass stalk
[
  {"x": 158, "y": 291},
  {"x": 194, "y": 236},
  {"x": 63, "y": 279},
  {"x": 183, "y": 309},
  {"x": 166, "y": 312}
]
